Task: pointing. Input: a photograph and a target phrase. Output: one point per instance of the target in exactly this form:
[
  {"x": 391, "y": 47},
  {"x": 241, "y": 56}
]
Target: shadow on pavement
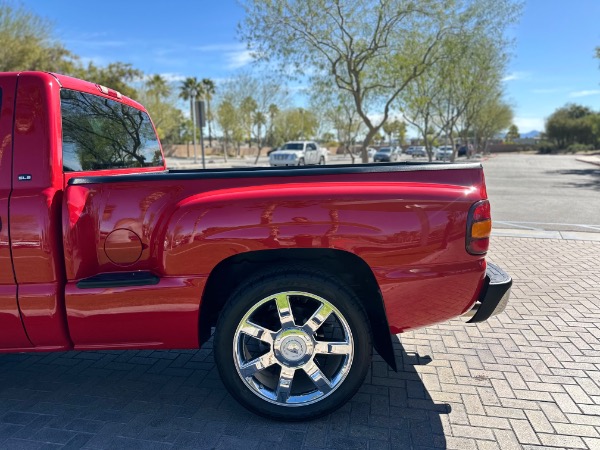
[
  {"x": 174, "y": 399},
  {"x": 590, "y": 177}
]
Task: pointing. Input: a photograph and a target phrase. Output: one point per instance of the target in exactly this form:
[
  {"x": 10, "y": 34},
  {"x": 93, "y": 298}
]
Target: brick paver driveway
[{"x": 529, "y": 378}]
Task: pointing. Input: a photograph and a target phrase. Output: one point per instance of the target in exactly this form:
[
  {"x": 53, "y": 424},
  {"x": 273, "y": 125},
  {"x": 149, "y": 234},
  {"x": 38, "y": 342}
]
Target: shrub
[
  {"x": 573, "y": 148},
  {"x": 546, "y": 147}
]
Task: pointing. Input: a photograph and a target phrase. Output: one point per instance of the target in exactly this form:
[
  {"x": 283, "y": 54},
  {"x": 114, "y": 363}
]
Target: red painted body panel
[
  {"x": 35, "y": 210},
  {"x": 409, "y": 227},
  {"x": 159, "y": 316},
  {"x": 411, "y": 233},
  {"x": 12, "y": 333}
]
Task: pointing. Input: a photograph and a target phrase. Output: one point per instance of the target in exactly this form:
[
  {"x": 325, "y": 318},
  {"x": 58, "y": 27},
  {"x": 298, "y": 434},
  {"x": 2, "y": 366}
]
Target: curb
[
  {"x": 587, "y": 160},
  {"x": 543, "y": 234}
]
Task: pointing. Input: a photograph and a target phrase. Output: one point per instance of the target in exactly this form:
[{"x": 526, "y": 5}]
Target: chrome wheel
[{"x": 293, "y": 348}]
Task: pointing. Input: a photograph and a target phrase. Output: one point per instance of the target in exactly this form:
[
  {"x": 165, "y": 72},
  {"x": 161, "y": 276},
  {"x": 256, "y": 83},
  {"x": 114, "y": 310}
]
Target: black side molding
[{"x": 119, "y": 279}]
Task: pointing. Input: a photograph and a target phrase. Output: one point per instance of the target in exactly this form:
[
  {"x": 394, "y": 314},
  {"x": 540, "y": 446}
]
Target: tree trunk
[
  {"x": 258, "y": 144},
  {"x": 368, "y": 138}
]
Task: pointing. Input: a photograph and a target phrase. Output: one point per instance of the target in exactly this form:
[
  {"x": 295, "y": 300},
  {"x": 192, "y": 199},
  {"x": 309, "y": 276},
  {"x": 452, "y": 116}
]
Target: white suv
[{"x": 298, "y": 153}]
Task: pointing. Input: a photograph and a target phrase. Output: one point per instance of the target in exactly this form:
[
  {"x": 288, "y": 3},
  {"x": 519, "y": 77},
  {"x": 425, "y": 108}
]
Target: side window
[
  {"x": 312, "y": 147},
  {"x": 100, "y": 134}
]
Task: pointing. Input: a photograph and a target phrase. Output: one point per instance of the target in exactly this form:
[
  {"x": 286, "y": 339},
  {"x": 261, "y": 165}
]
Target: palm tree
[
  {"x": 208, "y": 88},
  {"x": 158, "y": 87},
  {"x": 189, "y": 90}
]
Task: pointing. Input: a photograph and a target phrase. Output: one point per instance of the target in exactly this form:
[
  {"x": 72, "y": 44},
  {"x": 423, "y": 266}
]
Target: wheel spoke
[
  {"x": 284, "y": 387},
  {"x": 258, "y": 332},
  {"x": 333, "y": 348},
  {"x": 257, "y": 364},
  {"x": 317, "y": 319},
  {"x": 318, "y": 377},
  {"x": 284, "y": 310}
]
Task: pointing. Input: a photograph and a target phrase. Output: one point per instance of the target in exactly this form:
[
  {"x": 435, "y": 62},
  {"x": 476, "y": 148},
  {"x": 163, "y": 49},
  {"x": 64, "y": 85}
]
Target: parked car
[
  {"x": 444, "y": 153},
  {"x": 301, "y": 272},
  {"x": 299, "y": 153},
  {"x": 371, "y": 151},
  {"x": 385, "y": 154},
  {"x": 419, "y": 151},
  {"x": 274, "y": 149}
]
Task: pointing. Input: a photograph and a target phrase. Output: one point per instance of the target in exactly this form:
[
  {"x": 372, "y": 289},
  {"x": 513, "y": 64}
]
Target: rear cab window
[{"x": 103, "y": 134}]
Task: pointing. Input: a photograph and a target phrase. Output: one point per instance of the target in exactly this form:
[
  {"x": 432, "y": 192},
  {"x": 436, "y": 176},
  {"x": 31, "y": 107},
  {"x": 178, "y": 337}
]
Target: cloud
[
  {"x": 526, "y": 124},
  {"x": 516, "y": 76},
  {"x": 169, "y": 77},
  {"x": 548, "y": 91},
  {"x": 231, "y": 47},
  {"x": 587, "y": 93},
  {"x": 238, "y": 59}
]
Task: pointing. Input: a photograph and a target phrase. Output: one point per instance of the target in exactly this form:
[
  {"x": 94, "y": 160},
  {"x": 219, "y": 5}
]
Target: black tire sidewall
[{"x": 246, "y": 297}]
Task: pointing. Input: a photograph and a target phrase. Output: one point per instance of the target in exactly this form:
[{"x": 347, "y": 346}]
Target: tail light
[{"x": 479, "y": 228}]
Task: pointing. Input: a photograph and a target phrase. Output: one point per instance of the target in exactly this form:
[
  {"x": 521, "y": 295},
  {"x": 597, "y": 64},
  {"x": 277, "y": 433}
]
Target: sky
[{"x": 553, "y": 56}]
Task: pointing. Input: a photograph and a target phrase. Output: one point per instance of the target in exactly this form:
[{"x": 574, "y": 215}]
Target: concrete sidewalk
[
  {"x": 591, "y": 159},
  {"x": 545, "y": 234}
]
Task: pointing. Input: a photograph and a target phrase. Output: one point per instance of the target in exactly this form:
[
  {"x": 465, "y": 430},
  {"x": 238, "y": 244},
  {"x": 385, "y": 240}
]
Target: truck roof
[{"x": 76, "y": 84}]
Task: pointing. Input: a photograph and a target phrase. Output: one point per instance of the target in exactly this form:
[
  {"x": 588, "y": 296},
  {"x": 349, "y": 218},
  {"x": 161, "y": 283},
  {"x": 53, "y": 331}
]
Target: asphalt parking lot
[{"x": 529, "y": 378}]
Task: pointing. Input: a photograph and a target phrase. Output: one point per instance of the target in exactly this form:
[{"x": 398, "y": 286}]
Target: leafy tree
[
  {"x": 418, "y": 107},
  {"x": 118, "y": 76},
  {"x": 336, "y": 111},
  {"x": 572, "y": 124},
  {"x": 294, "y": 124},
  {"x": 228, "y": 122},
  {"x": 257, "y": 115},
  {"x": 513, "y": 133},
  {"x": 370, "y": 49},
  {"x": 27, "y": 43},
  {"x": 157, "y": 96},
  {"x": 247, "y": 112},
  {"x": 273, "y": 110},
  {"x": 493, "y": 116},
  {"x": 395, "y": 127}
]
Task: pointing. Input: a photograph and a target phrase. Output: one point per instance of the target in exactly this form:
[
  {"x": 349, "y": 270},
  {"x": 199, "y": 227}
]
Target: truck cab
[{"x": 54, "y": 128}]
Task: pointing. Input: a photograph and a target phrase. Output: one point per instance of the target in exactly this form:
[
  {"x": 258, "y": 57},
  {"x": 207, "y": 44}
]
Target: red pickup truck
[{"x": 299, "y": 271}]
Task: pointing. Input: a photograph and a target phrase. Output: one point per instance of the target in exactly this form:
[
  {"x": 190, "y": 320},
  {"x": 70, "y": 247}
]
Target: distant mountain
[{"x": 531, "y": 134}]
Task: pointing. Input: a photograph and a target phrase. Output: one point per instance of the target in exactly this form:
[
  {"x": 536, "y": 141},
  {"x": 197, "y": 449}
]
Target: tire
[
  {"x": 265, "y": 364},
  {"x": 301, "y": 162},
  {"x": 322, "y": 161}
]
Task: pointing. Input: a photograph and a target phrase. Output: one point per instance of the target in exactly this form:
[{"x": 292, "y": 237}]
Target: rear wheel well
[{"x": 349, "y": 268}]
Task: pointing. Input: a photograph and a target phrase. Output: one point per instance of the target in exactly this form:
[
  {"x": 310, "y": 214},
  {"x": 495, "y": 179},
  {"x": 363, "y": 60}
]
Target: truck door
[
  {"x": 312, "y": 155},
  {"x": 12, "y": 333}
]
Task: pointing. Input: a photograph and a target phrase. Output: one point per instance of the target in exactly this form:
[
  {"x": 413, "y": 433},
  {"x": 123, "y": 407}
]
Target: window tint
[
  {"x": 293, "y": 146},
  {"x": 99, "y": 133},
  {"x": 312, "y": 147}
]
